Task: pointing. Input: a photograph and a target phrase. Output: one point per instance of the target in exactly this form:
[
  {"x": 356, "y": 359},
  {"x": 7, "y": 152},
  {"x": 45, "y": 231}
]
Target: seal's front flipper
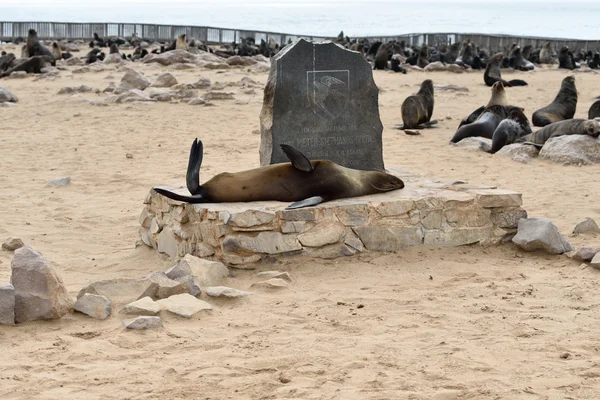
[
  {"x": 430, "y": 123},
  {"x": 194, "y": 199},
  {"x": 299, "y": 160},
  {"x": 311, "y": 201},
  {"x": 192, "y": 176}
]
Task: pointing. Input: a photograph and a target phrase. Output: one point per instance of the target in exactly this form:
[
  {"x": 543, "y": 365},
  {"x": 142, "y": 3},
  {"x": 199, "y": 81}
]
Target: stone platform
[{"x": 429, "y": 212}]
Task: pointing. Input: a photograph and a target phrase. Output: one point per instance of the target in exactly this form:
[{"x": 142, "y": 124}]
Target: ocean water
[{"x": 578, "y": 19}]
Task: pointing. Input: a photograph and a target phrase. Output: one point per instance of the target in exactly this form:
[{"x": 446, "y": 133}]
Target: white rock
[
  {"x": 275, "y": 274},
  {"x": 587, "y": 226},
  {"x": 184, "y": 305},
  {"x": 60, "y": 182},
  {"x": 133, "y": 80},
  {"x": 93, "y": 305},
  {"x": 224, "y": 291},
  {"x": 143, "y": 306},
  {"x": 6, "y": 96},
  {"x": 209, "y": 273},
  {"x": 271, "y": 284},
  {"x": 540, "y": 234}
]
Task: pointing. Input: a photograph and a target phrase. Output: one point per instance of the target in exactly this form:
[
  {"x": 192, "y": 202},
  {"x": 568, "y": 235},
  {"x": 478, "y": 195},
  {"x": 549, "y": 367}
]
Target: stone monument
[{"x": 321, "y": 99}]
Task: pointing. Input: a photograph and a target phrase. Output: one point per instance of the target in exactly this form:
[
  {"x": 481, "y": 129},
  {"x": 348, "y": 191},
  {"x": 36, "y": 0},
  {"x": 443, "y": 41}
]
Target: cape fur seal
[
  {"x": 305, "y": 182},
  {"x": 577, "y": 126},
  {"x": 418, "y": 108},
  {"x": 32, "y": 65},
  {"x": 181, "y": 43},
  {"x": 381, "y": 58},
  {"x": 422, "y": 60},
  {"x": 594, "y": 111},
  {"x": 34, "y": 47},
  {"x": 546, "y": 54},
  {"x": 510, "y": 129},
  {"x": 498, "y": 98},
  {"x": 485, "y": 125},
  {"x": 565, "y": 59},
  {"x": 562, "y": 107},
  {"x": 492, "y": 73},
  {"x": 6, "y": 61}
]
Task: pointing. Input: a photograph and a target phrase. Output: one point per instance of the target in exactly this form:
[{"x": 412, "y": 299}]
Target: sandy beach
[{"x": 461, "y": 323}]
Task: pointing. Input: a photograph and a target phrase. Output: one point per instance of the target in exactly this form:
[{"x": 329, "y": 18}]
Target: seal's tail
[{"x": 517, "y": 82}]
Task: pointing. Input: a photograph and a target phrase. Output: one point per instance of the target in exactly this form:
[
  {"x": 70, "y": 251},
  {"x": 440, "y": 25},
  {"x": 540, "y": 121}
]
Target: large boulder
[
  {"x": 540, "y": 234},
  {"x": 165, "y": 80},
  {"x": 39, "y": 291},
  {"x": 133, "y": 80},
  {"x": 519, "y": 152},
  {"x": 572, "y": 149}
]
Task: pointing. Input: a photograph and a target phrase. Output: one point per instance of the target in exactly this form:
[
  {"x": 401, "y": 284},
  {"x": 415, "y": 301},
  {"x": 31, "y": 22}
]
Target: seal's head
[{"x": 592, "y": 128}]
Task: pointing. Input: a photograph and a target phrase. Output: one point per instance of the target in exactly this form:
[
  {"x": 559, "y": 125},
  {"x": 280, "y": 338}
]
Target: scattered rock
[
  {"x": 275, "y": 274},
  {"x": 143, "y": 306},
  {"x": 184, "y": 305},
  {"x": 596, "y": 261},
  {"x": 450, "y": 87},
  {"x": 519, "y": 152},
  {"x": 133, "y": 95},
  {"x": 6, "y": 96},
  {"x": 17, "y": 75},
  {"x": 572, "y": 149},
  {"x": 243, "y": 61},
  {"x": 203, "y": 83},
  {"x": 60, "y": 182},
  {"x": 212, "y": 95},
  {"x": 93, "y": 305},
  {"x": 162, "y": 286},
  {"x": 113, "y": 59},
  {"x": 133, "y": 80},
  {"x": 128, "y": 155},
  {"x": 586, "y": 254},
  {"x": 209, "y": 273},
  {"x": 119, "y": 291},
  {"x": 143, "y": 323},
  {"x": 75, "y": 89},
  {"x": 475, "y": 143},
  {"x": 198, "y": 101},
  {"x": 224, "y": 291},
  {"x": 565, "y": 356},
  {"x": 39, "y": 291},
  {"x": 435, "y": 66},
  {"x": 271, "y": 284},
  {"x": 540, "y": 234},
  {"x": 165, "y": 80},
  {"x": 284, "y": 378},
  {"x": 12, "y": 244},
  {"x": 586, "y": 226},
  {"x": 7, "y": 304},
  {"x": 171, "y": 57}
]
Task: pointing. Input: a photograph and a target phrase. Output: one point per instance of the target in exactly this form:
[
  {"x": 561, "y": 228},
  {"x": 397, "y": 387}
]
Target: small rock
[
  {"x": 271, "y": 284},
  {"x": 184, "y": 305},
  {"x": 12, "y": 244},
  {"x": 198, "y": 101},
  {"x": 93, "y": 305},
  {"x": 586, "y": 254},
  {"x": 75, "y": 89},
  {"x": 143, "y": 323},
  {"x": 284, "y": 379},
  {"x": 202, "y": 83},
  {"x": 540, "y": 234},
  {"x": 275, "y": 274},
  {"x": 165, "y": 80},
  {"x": 191, "y": 285},
  {"x": 223, "y": 291},
  {"x": 162, "y": 286},
  {"x": 587, "y": 226},
  {"x": 39, "y": 291},
  {"x": 595, "y": 261},
  {"x": 133, "y": 80},
  {"x": 475, "y": 143},
  {"x": 565, "y": 356},
  {"x": 60, "y": 182},
  {"x": 17, "y": 75},
  {"x": 129, "y": 155},
  {"x": 519, "y": 152},
  {"x": 6, "y": 96},
  {"x": 212, "y": 95},
  {"x": 144, "y": 306},
  {"x": 7, "y": 304},
  {"x": 119, "y": 291},
  {"x": 209, "y": 273},
  {"x": 450, "y": 87}
]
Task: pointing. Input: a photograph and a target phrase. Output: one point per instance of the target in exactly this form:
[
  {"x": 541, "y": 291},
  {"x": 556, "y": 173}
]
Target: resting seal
[
  {"x": 562, "y": 107},
  {"x": 33, "y": 65},
  {"x": 381, "y": 58},
  {"x": 423, "y": 56},
  {"x": 492, "y": 73},
  {"x": 418, "y": 108},
  {"x": 594, "y": 111},
  {"x": 510, "y": 129},
  {"x": 305, "y": 182},
  {"x": 561, "y": 128}
]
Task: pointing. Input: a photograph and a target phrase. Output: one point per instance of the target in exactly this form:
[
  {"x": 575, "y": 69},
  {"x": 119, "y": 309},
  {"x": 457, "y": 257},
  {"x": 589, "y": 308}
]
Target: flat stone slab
[
  {"x": 427, "y": 212},
  {"x": 184, "y": 305}
]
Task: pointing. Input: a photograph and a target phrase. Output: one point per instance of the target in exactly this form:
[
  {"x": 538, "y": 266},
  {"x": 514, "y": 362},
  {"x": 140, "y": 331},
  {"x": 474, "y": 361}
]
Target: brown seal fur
[
  {"x": 418, "y": 108},
  {"x": 576, "y": 126},
  {"x": 381, "y": 58},
  {"x": 485, "y": 125},
  {"x": 114, "y": 49},
  {"x": 498, "y": 95},
  {"x": 56, "y": 51},
  {"x": 181, "y": 43},
  {"x": 34, "y": 47},
  {"x": 301, "y": 181},
  {"x": 492, "y": 73},
  {"x": 594, "y": 111},
  {"x": 33, "y": 65},
  {"x": 562, "y": 107},
  {"x": 546, "y": 54},
  {"x": 422, "y": 61}
]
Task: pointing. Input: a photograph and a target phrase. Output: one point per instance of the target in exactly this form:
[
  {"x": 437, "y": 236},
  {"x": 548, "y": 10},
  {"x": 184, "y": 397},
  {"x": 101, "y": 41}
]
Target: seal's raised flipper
[
  {"x": 299, "y": 160},
  {"x": 194, "y": 199},
  {"x": 192, "y": 177},
  {"x": 430, "y": 123},
  {"x": 311, "y": 201}
]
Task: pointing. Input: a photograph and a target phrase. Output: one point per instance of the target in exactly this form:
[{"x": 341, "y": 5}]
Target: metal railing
[{"x": 210, "y": 35}]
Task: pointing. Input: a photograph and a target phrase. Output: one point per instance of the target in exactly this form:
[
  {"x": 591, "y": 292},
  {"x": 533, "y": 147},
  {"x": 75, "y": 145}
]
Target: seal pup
[
  {"x": 381, "y": 58},
  {"x": 418, "y": 108},
  {"x": 562, "y": 107},
  {"x": 510, "y": 129},
  {"x": 576, "y": 126},
  {"x": 302, "y": 181},
  {"x": 181, "y": 43},
  {"x": 594, "y": 111},
  {"x": 34, "y": 47},
  {"x": 56, "y": 51},
  {"x": 6, "y": 61},
  {"x": 33, "y": 65},
  {"x": 492, "y": 73}
]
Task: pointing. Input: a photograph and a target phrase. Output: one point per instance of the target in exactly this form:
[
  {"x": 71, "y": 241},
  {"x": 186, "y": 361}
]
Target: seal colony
[{"x": 305, "y": 182}]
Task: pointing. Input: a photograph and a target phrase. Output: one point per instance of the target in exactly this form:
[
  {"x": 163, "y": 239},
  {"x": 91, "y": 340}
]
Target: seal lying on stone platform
[{"x": 306, "y": 183}]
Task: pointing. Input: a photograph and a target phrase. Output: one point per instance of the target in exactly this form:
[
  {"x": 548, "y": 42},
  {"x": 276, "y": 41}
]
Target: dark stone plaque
[{"x": 321, "y": 99}]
